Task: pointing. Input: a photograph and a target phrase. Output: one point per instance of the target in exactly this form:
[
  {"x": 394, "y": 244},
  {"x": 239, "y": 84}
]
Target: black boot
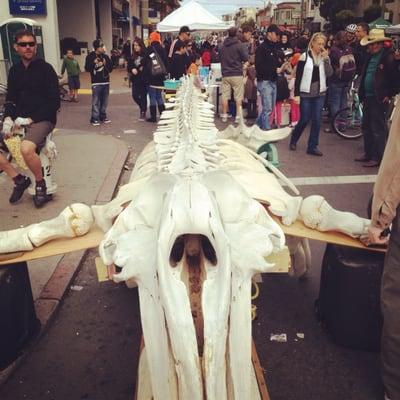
[
  {"x": 161, "y": 108},
  {"x": 153, "y": 114},
  {"x": 41, "y": 197},
  {"x": 21, "y": 183},
  {"x": 253, "y": 109}
]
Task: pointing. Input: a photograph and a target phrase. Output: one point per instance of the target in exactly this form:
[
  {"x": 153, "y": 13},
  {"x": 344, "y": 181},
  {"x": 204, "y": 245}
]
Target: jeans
[
  {"x": 155, "y": 96},
  {"x": 374, "y": 128},
  {"x": 310, "y": 109},
  {"x": 337, "y": 97},
  {"x": 390, "y": 303},
  {"x": 267, "y": 91},
  {"x": 99, "y": 102},
  {"x": 139, "y": 95}
]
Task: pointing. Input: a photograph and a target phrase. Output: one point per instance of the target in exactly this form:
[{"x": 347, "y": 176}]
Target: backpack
[
  {"x": 157, "y": 66},
  {"x": 347, "y": 66}
]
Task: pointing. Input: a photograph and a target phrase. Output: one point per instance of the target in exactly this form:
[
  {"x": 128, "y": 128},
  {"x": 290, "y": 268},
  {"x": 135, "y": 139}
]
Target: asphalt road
[{"x": 91, "y": 349}]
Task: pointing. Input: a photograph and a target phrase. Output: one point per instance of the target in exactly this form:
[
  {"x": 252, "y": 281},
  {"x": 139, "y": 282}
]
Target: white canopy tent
[
  {"x": 393, "y": 30},
  {"x": 193, "y": 15}
]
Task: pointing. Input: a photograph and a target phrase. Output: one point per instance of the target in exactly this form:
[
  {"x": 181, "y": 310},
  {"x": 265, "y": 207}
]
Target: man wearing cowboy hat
[{"x": 379, "y": 83}]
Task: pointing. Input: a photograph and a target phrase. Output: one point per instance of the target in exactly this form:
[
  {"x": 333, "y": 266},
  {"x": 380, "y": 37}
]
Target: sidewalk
[
  {"x": 118, "y": 82},
  {"x": 87, "y": 170}
]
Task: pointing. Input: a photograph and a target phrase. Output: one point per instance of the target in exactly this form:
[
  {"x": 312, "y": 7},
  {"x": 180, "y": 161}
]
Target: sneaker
[
  {"x": 224, "y": 117},
  {"x": 41, "y": 197},
  {"x": 237, "y": 119},
  {"x": 315, "y": 152},
  {"x": 95, "y": 123},
  {"x": 106, "y": 121},
  {"x": 142, "y": 116},
  {"x": 19, "y": 189}
]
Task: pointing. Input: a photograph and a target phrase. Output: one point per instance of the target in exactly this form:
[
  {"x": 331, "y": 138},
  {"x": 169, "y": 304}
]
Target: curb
[
  {"x": 53, "y": 292},
  {"x": 51, "y": 296}
]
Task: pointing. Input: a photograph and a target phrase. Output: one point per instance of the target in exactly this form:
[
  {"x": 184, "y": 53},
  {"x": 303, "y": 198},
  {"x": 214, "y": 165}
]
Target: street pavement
[{"x": 90, "y": 350}]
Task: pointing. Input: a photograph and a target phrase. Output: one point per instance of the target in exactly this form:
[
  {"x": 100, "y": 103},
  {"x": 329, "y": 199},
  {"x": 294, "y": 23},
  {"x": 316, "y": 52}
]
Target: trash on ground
[
  {"x": 77, "y": 288},
  {"x": 300, "y": 335}
]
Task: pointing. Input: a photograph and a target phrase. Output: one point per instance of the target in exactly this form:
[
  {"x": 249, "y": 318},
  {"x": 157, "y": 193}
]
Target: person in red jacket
[{"x": 206, "y": 54}]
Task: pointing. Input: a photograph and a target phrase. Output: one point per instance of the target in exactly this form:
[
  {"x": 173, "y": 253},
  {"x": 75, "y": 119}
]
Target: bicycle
[{"x": 346, "y": 123}]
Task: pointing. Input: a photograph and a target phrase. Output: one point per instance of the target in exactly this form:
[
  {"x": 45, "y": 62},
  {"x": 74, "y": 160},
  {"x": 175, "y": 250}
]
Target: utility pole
[{"x": 301, "y": 15}]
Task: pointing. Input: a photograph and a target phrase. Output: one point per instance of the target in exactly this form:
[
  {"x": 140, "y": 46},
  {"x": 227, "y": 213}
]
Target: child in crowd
[
  {"x": 282, "y": 95},
  {"x": 177, "y": 67},
  {"x": 250, "y": 90},
  {"x": 72, "y": 66},
  {"x": 294, "y": 100},
  {"x": 195, "y": 64}
]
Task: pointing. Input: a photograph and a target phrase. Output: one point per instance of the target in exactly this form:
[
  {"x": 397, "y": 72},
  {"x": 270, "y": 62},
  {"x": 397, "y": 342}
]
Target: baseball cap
[
  {"x": 184, "y": 29},
  {"x": 97, "y": 43},
  {"x": 274, "y": 28}
]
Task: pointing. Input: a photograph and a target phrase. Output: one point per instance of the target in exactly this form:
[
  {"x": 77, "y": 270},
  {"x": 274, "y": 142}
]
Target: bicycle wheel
[{"x": 347, "y": 124}]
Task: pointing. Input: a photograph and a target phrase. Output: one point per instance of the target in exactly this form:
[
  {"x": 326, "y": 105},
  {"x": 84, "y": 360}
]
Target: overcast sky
[{"x": 219, "y": 7}]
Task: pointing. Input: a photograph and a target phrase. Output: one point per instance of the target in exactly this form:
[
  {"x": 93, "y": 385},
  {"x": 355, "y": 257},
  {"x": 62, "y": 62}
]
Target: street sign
[{"x": 27, "y": 7}]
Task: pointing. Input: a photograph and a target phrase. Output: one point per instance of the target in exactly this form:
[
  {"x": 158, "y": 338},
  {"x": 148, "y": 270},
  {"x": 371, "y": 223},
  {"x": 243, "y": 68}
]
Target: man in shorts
[
  {"x": 32, "y": 102},
  {"x": 72, "y": 66},
  {"x": 233, "y": 56}
]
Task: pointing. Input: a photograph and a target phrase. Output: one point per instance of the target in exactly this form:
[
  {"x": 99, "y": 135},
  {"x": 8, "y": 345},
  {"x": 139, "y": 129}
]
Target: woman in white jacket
[{"x": 313, "y": 69}]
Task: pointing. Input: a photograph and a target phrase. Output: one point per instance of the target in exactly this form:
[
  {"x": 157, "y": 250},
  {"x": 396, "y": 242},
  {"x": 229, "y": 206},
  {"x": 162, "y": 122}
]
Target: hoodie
[
  {"x": 99, "y": 66},
  {"x": 32, "y": 92},
  {"x": 233, "y": 55}
]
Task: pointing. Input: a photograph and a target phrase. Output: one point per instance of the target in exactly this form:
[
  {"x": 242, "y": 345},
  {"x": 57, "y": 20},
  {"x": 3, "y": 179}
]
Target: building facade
[
  {"x": 287, "y": 15},
  {"x": 392, "y": 5},
  {"x": 244, "y": 15},
  {"x": 265, "y": 16},
  {"x": 76, "y": 23}
]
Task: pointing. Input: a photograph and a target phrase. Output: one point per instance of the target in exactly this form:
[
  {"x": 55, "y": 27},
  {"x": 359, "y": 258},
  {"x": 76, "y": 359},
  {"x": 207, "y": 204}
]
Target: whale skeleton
[{"x": 190, "y": 230}]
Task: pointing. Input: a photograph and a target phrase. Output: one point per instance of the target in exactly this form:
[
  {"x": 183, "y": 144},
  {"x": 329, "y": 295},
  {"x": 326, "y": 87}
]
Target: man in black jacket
[
  {"x": 32, "y": 101},
  {"x": 99, "y": 65},
  {"x": 360, "y": 52},
  {"x": 379, "y": 83},
  {"x": 269, "y": 59}
]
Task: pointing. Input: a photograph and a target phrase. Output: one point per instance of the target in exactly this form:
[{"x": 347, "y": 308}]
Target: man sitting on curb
[{"x": 32, "y": 101}]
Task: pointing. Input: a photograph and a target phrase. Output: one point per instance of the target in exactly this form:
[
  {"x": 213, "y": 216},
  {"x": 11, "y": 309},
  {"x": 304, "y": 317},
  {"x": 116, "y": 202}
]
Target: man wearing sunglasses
[{"x": 32, "y": 102}]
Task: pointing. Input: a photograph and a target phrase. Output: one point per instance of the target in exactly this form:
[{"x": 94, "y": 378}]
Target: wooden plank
[
  {"x": 262, "y": 386},
  {"x": 56, "y": 247},
  {"x": 298, "y": 229}
]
